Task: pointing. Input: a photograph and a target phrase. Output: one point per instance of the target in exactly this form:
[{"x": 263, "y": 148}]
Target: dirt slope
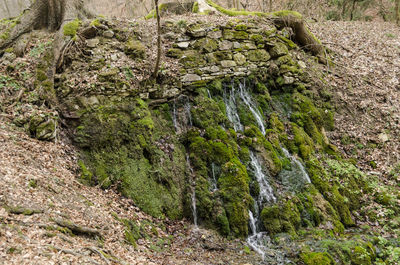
[{"x": 365, "y": 87}]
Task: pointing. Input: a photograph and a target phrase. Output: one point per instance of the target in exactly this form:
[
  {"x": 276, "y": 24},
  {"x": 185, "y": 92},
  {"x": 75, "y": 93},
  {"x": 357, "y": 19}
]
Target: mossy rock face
[
  {"x": 42, "y": 127},
  {"x": 122, "y": 145},
  {"x": 279, "y": 49},
  {"x": 135, "y": 49},
  {"x": 259, "y": 55},
  {"x": 317, "y": 258}
]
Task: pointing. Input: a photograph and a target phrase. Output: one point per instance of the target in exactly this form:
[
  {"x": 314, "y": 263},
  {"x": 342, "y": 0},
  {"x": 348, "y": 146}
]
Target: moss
[
  {"x": 234, "y": 188},
  {"x": 135, "y": 49},
  {"x": 206, "y": 45},
  {"x": 258, "y": 55},
  {"x": 192, "y": 59},
  {"x": 175, "y": 53},
  {"x": 282, "y": 218},
  {"x": 70, "y": 29},
  {"x": 240, "y": 35},
  {"x": 152, "y": 13},
  {"x": 195, "y": 8},
  {"x": 86, "y": 175},
  {"x": 95, "y": 23},
  {"x": 41, "y": 75},
  {"x": 317, "y": 258}
]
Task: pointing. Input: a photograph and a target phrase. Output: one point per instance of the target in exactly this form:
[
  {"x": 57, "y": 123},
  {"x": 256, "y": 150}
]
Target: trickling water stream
[
  {"x": 193, "y": 197},
  {"x": 297, "y": 176},
  {"x": 214, "y": 186},
  {"x": 258, "y": 240},
  {"x": 245, "y": 96}
]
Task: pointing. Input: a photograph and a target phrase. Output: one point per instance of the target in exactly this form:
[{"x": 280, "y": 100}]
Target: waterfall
[
  {"x": 297, "y": 176},
  {"x": 266, "y": 193},
  {"x": 209, "y": 94},
  {"x": 174, "y": 115},
  {"x": 188, "y": 113},
  {"x": 193, "y": 197},
  {"x": 258, "y": 240},
  {"x": 231, "y": 110},
  {"x": 245, "y": 96},
  {"x": 214, "y": 186}
]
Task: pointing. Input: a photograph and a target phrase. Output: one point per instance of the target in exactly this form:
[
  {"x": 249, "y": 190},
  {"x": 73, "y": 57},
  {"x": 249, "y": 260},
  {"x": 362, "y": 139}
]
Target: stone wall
[{"x": 207, "y": 52}]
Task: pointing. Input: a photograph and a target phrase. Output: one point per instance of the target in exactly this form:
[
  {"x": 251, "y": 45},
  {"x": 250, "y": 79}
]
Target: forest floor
[{"x": 40, "y": 195}]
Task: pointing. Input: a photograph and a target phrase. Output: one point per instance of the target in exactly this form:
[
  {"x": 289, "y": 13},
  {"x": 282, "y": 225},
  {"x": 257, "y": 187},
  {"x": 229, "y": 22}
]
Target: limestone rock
[
  {"x": 225, "y": 45},
  {"x": 135, "y": 49},
  {"x": 215, "y": 34},
  {"x": 108, "y": 34},
  {"x": 183, "y": 45},
  {"x": 42, "y": 127},
  {"x": 92, "y": 43},
  {"x": 260, "y": 55},
  {"x": 278, "y": 50},
  {"x": 191, "y": 78},
  {"x": 239, "y": 58},
  {"x": 228, "y": 63}
]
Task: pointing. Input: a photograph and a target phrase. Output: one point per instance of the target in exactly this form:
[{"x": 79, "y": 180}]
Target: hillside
[{"x": 273, "y": 154}]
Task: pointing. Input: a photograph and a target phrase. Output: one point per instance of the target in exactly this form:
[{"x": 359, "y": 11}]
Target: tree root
[{"x": 78, "y": 230}]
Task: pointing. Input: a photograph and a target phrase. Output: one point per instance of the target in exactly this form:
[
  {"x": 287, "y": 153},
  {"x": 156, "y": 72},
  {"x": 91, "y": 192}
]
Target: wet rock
[{"x": 288, "y": 80}]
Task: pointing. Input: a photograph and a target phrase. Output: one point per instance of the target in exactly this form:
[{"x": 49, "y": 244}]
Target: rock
[
  {"x": 236, "y": 45},
  {"x": 225, "y": 45},
  {"x": 288, "y": 80},
  {"x": 383, "y": 137},
  {"x": 239, "y": 58},
  {"x": 259, "y": 55},
  {"x": 183, "y": 45},
  {"x": 9, "y": 56},
  {"x": 135, "y": 49},
  {"x": 206, "y": 45},
  {"x": 214, "y": 69},
  {"x": 42, "y": 127},
  {"x": 249, "y": 46},
  {"x": 197, "y": 32},
  {"x": 228, "y": 63},
  {"x": 114, "y": 57},
  {"x": 92, "y": 43},
  {"x": 108, "y": 34},
  {"x": 302, "y": 64},
  {"x": 144, "y": 95},
  {"x": 170, "y": 93},
  {"x": 214, "y": 34},
  {"x": 278, "y": 50},
  {"x": 191, "y": 78}
]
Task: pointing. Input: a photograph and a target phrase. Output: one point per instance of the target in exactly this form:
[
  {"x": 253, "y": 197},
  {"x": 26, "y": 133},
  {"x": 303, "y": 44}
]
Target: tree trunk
[
  {"x": 52, "y": 15},
  {"x": 157, "y": 66},
  {"x": 352, "y": 10},
  {"x": 397, "y": 10}
]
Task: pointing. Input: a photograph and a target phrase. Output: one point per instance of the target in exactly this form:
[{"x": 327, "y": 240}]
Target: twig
[
  {"x": 72, "y": 252},
  {"x": 76, "y": 229},
  {"x": 95, "y": 250}
]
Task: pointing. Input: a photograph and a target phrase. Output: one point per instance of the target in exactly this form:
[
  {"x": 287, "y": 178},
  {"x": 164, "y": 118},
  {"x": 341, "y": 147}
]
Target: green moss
[
  {"x": 360, "y": 256},
  {"x": 282, "y": 218},
  {"x": 240, "y": 35},
  {"x": 70, "y": 29},
  {"x": 234, "y": 188},
  {"x": 195, "y": 8},
  {"x": 152, "y": 14},
  {"x": 175, "y": 53},
  {"x": 258, "y": 55},
  {"x": 135, "y": 49},
  {"x": 317, "y": 258}
]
